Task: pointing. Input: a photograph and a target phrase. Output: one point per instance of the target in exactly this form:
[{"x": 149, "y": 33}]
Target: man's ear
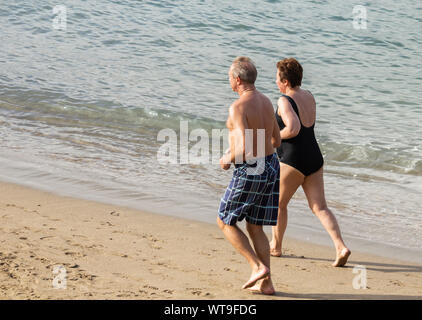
[{"x": 238, "y": 81}]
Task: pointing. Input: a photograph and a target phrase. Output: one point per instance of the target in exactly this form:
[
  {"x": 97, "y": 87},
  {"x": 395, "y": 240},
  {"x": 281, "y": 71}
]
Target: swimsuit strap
[
  {"x": 294, "y": 106},
  {"x": 296, "y": 109}
]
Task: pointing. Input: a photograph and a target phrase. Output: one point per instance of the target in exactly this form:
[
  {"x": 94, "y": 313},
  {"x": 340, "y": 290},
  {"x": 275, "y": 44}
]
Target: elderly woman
[{"x": 301, "y": 161}]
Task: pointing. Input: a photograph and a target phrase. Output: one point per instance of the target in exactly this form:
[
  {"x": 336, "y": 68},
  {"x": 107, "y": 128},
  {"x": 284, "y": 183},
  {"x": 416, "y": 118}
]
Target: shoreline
[
  {"x": 311, "y": 232},
  {"x": 116, "y": 252}
]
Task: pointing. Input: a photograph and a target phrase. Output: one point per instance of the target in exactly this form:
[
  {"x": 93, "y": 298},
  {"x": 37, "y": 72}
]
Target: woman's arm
[
  {"x": 290, "y": 119},
  {"x": 275, "y": 138}
]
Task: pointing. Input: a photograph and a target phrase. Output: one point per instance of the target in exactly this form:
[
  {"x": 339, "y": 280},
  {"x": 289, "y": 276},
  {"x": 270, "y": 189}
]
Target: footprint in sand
[
  {"x": 396, "y": 283},
  {"x": 75, "y": 254},
  {"x": 79, "y": 236},
  {"x": 199, "y": 292},
  {"x": 14, "y": 206},
  {"x": 46, "y": 237},
  {"x": 150, "y": 287}
]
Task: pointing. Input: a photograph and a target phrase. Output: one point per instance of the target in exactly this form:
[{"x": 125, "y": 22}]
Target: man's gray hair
[{"x": 244, "y": 68}]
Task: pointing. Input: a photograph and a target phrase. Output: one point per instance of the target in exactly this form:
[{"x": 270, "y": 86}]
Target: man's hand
[{"x": 223, "y": 163}]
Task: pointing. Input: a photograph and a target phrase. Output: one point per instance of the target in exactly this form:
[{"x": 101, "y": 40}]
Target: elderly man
[{"x": 254, "y": 189}]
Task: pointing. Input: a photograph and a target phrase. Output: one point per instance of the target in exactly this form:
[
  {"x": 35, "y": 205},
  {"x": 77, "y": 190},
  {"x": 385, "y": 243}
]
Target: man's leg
[
  {"x": 241, "y": 243},
  {"x": 262, "y": 249}
]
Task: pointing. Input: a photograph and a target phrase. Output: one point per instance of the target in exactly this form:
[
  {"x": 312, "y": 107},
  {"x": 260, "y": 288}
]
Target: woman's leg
[
  {"x": 314, "y": 190},
  {"x": 290, "y": 181}
]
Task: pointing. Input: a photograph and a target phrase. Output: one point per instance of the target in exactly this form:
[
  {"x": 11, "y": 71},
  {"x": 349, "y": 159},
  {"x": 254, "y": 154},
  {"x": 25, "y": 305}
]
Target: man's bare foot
[
  {"x": 265, "y": 287},
  {"x": 342, "y": 258},
  {"x": 273, "y": 251},
  {"x": 261, "y": 273}
]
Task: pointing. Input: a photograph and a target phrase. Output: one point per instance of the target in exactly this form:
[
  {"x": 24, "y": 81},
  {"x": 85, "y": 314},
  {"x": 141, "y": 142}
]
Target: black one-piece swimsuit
[{"x": 301, "y": 152}]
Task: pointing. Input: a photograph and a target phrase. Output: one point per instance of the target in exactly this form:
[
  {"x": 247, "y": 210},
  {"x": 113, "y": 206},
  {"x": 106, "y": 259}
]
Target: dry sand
[{"x": 112, "y": 252}]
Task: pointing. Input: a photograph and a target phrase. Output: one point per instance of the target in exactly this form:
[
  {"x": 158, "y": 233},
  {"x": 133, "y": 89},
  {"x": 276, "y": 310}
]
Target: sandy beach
[{"x": 111, "y": 252}]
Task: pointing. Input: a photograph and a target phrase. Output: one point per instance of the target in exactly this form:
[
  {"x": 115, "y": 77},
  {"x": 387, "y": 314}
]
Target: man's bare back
[{"x": 251, "y": 112}]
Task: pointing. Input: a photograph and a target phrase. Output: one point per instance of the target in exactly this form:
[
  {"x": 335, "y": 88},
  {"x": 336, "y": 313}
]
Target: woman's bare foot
[
  {"x": 258, "y": 274},
  {"x": 342, "y": 257},
  {"x": 265, "y": 287},
  {"x": 274, "y": 251}
]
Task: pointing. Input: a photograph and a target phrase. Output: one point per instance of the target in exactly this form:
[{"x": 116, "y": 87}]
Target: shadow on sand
[
  {"x": 340, "y": 296},
  {"x": 381, "y": 267}
]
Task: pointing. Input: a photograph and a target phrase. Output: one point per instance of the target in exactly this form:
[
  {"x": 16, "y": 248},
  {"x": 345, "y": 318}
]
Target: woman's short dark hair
[{"x": 291, "y": 70}]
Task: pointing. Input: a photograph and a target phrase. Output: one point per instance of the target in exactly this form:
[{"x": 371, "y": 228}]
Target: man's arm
[
  {"x": 237, "y": 118},
  {"x": 290, "y": 119}
]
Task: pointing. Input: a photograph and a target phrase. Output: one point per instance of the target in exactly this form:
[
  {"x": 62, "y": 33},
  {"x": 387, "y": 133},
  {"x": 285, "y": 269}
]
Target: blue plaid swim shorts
[{"x": 253, "y": 193}]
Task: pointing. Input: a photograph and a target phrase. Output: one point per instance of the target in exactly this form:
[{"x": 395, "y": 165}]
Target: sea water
[{"x": 87, "y": 86}]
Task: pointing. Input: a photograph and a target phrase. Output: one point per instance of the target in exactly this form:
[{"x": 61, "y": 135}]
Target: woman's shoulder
[
  {"x": 283, "y": 99},
  {"x": 308, "y": 93},
  {"x": 283, "y": 102}
]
